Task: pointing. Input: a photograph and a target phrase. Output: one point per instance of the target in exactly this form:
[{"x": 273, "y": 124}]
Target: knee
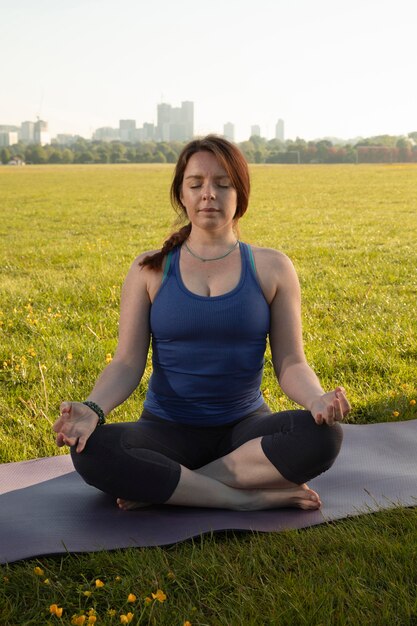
[
  {"x": 331, "y": 440},
  {"x": 327, "y": 444}
]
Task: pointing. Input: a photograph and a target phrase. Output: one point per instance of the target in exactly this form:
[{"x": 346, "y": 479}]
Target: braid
[{"x": 154, "y": 261}]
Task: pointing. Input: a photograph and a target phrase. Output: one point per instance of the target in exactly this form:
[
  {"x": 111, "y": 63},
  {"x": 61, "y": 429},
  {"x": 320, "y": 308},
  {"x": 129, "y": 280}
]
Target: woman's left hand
[{"x": 331, "y": 407}]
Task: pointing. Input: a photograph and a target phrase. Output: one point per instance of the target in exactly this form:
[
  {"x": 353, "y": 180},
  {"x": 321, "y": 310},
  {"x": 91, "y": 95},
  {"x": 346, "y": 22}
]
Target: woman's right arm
[{"x": 121, "y": 377}]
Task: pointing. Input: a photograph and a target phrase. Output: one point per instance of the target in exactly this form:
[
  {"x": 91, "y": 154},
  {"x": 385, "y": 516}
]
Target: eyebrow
[{"x": 199, "y": 176}]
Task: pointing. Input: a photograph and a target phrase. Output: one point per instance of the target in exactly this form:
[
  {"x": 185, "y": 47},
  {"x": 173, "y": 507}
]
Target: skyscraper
[
  {"x": 255, "y": 131},
  {"x": 279, "y": 130},
  {"x": 175, "y": 123},
  {"x": 127, "y": 130},
  {"x": 27, "y": 132},
  {"x": 229, "y": 131},
  {"x": 41, "y": 135}
]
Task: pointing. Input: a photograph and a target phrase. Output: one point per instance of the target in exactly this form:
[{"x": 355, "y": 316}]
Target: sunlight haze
[{"x": 327, "y": 68}]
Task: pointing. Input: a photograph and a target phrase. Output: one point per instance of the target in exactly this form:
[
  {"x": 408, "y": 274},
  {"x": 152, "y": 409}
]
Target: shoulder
[
  {"x": 275, "y": 271},
  {"x": 143, "y": 277}
]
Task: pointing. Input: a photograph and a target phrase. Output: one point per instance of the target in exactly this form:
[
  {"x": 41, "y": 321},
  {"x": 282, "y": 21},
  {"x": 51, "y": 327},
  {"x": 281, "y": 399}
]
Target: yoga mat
[{"x": 46, "y": 508}]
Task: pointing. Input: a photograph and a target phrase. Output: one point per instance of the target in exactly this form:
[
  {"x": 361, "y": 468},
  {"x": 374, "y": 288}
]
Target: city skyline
[
  {"x": 329, "y": 69},
  {"x": 173, "y": 124}
]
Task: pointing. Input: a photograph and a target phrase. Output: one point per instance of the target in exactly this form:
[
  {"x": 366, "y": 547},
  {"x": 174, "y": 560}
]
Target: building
[
  {"x": 41, "y": 134},
  {"x": 279, "y": 130},
  {"x": 65, "y": 139},
  {"x": 27, "y": 132},
  {"x": 8, "y": 138},
  {"x": 229, "y": 131},
  {"x": 175, "y": 123},
  {"x": 127, "y": 130},
  {"x": 255, "y": 131},
  {"x": 106, "y": 133}
]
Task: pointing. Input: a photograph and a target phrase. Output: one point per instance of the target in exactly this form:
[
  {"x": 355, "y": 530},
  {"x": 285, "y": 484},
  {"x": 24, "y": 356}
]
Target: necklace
[{"x": 215, "y": 258}]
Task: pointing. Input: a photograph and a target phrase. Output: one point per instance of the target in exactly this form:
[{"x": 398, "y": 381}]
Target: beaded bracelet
[{"x": 98, "y": 410}]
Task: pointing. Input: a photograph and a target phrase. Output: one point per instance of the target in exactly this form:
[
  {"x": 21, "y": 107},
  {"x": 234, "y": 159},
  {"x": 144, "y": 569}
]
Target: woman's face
[{"x": 207, "y": 193}]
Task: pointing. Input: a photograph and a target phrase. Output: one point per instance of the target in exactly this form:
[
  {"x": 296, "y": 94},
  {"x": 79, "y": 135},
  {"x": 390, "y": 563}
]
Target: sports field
[{"x": 68, "y": 236}]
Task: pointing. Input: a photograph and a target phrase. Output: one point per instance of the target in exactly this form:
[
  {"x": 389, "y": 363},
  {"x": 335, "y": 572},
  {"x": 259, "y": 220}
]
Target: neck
[
  {"x": 218, "y": 257},
  {"x": 217, "y": 239}
]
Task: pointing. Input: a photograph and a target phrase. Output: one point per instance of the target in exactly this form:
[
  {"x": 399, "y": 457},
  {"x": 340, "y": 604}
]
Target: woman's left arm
[{"x": 295, "y": 376}]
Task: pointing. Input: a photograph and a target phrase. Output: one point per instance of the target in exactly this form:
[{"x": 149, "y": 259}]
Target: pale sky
[{"x": 327, "y": 67}]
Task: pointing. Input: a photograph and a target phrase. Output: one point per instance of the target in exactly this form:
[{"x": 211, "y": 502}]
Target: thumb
[{"x": 65, "y": 407}]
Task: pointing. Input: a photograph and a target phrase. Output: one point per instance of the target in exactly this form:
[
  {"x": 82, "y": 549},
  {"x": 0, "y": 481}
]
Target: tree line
[{"x": 381, "y": 149}]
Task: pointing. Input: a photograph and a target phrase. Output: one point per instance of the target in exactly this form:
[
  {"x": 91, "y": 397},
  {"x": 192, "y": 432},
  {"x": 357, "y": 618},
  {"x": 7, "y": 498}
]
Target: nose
[{"x": 208, "y": 193}]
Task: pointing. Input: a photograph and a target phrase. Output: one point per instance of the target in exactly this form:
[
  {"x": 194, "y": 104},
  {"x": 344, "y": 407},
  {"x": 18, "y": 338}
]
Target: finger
[
  {"x": 330, "y": 416},
  {"x": 65, "y": 407},
  {"x": 318, "y": 419},
  {"x": 81, "y": 444},
  {"x": 344, "y": 403},
  {"x": 59, "y": 440},
  {"x": 338, "y": 412},
  {"x": 69, "y": 441}
]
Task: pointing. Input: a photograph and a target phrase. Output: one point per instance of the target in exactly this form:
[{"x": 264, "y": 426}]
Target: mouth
[{"x": 209, "y": 209}]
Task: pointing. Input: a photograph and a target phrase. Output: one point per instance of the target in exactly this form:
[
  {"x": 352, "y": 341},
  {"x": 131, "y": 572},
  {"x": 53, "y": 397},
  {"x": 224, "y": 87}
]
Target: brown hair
[{"x": 232, "y": 160}]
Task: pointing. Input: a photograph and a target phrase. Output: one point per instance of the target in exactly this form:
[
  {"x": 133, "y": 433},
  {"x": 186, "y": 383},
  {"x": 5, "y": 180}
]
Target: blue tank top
[{"x": 207, "y": 352}]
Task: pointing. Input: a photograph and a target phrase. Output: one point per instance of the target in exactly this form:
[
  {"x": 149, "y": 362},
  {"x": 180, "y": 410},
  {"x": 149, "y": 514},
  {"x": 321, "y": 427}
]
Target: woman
[{"x": 206, "y": 438}]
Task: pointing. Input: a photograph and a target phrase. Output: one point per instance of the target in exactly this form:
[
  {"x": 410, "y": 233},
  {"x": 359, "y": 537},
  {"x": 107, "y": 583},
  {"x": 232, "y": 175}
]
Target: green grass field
[{"x": 69, "y": 235}]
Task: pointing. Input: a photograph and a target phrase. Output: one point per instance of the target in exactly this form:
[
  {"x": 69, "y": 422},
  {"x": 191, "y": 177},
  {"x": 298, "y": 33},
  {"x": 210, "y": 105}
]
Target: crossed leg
[{"x": 242, "y": 480}]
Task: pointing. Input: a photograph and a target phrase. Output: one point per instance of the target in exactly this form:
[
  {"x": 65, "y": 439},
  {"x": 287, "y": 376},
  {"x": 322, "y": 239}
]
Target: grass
[{"x": 70, "y": 235}]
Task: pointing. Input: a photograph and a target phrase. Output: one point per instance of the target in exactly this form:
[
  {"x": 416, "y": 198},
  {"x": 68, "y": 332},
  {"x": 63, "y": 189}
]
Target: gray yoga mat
[{"x": 46, "y": 508}]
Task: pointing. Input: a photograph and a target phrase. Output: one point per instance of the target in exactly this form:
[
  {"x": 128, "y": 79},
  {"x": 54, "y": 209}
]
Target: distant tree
[
  {"x": 117, "y": 153},
  {"x": 67, "y": 156},
  {"x": 248, "y": 149},
  {"x": 86, "y": 156},
  {"x": 413, "y": 136},
  {"x": 159, "y": 157},
  {"x": 5, "y": 156},
  {"x": 55, "y": 156},
  {"x": 36, "y": 154}
]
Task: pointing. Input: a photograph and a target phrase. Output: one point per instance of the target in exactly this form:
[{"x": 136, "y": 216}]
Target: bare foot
[
  {"x": 300, "y": 496},
  {"x": 130, "y": 505}
]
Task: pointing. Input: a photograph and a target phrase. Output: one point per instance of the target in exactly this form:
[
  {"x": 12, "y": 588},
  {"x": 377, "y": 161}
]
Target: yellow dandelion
[
  {"x": 131, "y": 597},
  {"x": 412, "y": 402},
  {"x": 54, "y": 609},
  {"x": 109, "y": 358},
  {"x": 99, "y": 583},
  {"x": 69, "y": 356},
  {"x": 87, "y": 593},
  {"x": 187, "y": 623},
  {"x": 159, "y": 595},
  {"x": 395, "y": 413},
  {"x": 46, "y": 581},
  {"x": 92, "y": 619},
  {"x": 78, "y": 620},
  {"x": 148, "y": 600},
  {"x": 111, "y": 612},
  {"x": 91, "y": 612},
  {"x": 38, "y": 571}
]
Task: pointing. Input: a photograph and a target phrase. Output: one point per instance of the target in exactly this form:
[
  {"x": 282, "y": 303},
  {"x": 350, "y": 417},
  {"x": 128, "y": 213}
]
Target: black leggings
[{"x": 141, "y": 460}]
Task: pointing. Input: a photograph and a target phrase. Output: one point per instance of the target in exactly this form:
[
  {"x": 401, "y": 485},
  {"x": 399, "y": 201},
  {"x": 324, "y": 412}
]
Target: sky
[{"x": 328, "y": 68}]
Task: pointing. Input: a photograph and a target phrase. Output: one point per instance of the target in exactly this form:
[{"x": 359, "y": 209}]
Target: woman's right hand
[{"x": 74, "y": 425}]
